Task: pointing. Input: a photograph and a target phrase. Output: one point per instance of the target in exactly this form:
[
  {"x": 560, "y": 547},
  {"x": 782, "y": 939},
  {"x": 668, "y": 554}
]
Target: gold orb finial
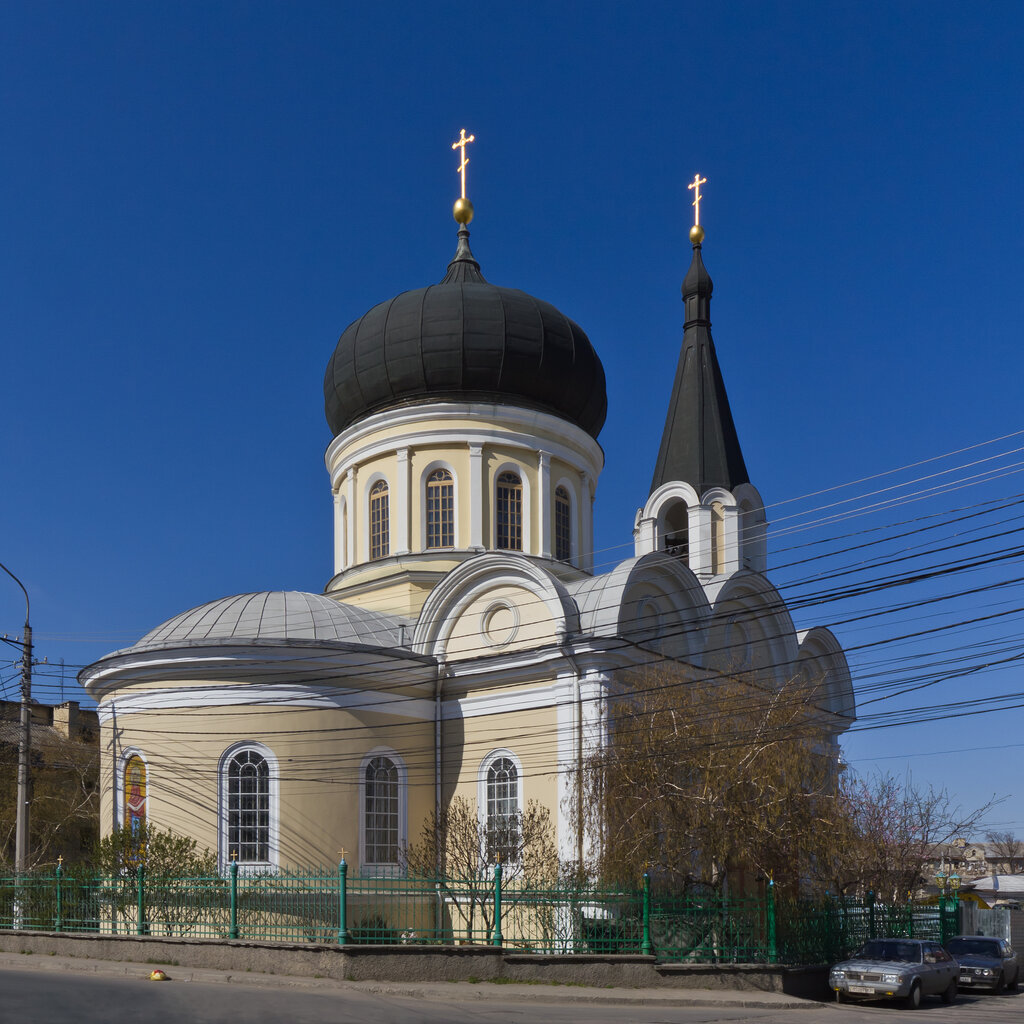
[
  {"x": 696, "y": 234},
  {"x": 462, "y": 211}
]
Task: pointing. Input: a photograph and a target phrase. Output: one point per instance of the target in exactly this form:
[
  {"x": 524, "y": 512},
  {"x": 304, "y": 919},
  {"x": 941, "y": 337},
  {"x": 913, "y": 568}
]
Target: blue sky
[{"x": 195, "y": 200}]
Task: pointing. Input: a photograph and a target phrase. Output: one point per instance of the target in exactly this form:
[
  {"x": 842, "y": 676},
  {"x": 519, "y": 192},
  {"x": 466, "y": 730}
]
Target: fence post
[
  {"x": 910, "y": 914},
  {"x": 60, "y": 900},
  {"x": 773, "y": 949},
  {"x": 140, "y": 874},
  {"x": 646, "y": 948},
  {"x": 233, "y": 873},
  {"x": 497, "y": 937},
  {"x": 343, "y": 935},
  {"x": 871, "y": 915}
]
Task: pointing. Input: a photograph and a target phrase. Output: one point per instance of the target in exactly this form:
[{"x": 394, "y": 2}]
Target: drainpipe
[
  {"x": 438, "y": 683},
  {"x": 577, "y": 696}
]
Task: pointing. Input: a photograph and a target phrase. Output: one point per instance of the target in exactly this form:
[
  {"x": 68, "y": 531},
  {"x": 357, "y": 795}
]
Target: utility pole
[{"x": 24, "y": 741}]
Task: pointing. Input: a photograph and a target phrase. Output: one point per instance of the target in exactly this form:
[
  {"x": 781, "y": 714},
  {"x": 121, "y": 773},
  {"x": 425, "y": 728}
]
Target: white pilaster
[
  {"x": 544, "y": 500},
  {"x": 586, "y": 559},
  {"x": 400, "y": 515},
  {"x": 349, "y": 483},
  {"x": 700, "y": 540},
  {"x": 731, "y": 538},
  {"x": 339, "y": 533},
  {"x": 476, "y": 497}
]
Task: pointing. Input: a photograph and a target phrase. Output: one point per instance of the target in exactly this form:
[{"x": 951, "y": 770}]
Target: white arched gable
[
  {"x": 753, "y": 528},
  {"x": 747, "y": 603},
  {"x": 666, "y": 496},
  {"x": 654, "y": 597},
  {"x": 468, "y": 582},
  {"x": 719, "y": 494},
  {"x": 822, "y": 657}
]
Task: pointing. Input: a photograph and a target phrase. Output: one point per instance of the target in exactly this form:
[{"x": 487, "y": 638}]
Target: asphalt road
[{"x": 49, "y": 997}]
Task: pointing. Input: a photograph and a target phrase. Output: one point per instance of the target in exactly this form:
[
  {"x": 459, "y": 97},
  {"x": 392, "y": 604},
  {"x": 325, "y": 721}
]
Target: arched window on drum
[
  {"x": 563, "y": 525},
  {"x": 380, "y": 520},
  {"x": 440, "y": 509},
  {"x": 509, "y": 512}
]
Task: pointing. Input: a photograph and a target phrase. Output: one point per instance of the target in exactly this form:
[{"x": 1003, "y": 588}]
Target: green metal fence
[{"x": 326, "y": 906}]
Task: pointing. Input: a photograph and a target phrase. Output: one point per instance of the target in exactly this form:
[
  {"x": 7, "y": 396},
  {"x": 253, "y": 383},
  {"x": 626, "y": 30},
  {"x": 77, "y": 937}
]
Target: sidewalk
[{"x": 484, "y": 991}]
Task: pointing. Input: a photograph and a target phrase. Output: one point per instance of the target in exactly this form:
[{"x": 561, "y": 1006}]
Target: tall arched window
[
  {"x": 676, "y": 536},
  {"x": 134, "y": 812},
  {"x": 503, "y": 825},
  {"x": 440, "y": 509},
  {"x": 380, "y": 534},
  {"x": 248, "y": 807},
  {"x": 381, "y": 812},
  {"x": 509, "y": 512},
  {"x": 563, "y": 525}
]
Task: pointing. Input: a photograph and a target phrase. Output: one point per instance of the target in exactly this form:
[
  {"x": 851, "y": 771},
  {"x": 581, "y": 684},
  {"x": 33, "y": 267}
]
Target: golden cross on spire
[
  {"x": 695, "y": 185},
  {"x": 463, "y": 141}
]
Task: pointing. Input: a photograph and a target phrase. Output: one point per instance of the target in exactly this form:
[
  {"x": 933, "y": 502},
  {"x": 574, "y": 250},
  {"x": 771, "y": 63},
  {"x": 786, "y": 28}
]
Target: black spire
[
  {"x": 463, "y": 266},
  {"x": 699, "y": 444}
]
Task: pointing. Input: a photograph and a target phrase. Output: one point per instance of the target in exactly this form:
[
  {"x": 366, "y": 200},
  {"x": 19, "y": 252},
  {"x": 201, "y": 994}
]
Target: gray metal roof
[
  {"x": 699, "y": 444},
  {"x": 277, "y": 615},
  {"x": 465, "y": 339}
]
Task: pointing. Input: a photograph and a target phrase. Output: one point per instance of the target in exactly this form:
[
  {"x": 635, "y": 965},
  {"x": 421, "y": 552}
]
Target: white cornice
[
  {"x": 508, "y": 425},
  {"x": 267, "y": 664},
  {"x": 281, "y": 696}
]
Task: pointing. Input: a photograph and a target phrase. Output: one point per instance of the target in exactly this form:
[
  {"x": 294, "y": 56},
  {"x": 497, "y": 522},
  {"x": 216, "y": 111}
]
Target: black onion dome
[{"x": 466, "y": 340}]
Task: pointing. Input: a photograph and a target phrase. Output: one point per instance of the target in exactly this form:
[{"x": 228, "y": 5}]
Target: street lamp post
[{"x": 24, "y": 740}]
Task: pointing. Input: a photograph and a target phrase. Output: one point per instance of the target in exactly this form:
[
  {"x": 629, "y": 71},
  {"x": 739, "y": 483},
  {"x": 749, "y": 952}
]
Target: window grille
[
  {"x": 381, "y": 822},
  {"x": 563, "y": 525},
  {"x": 440, "y": 509},
  {"x": 503, "y": 824},
  {"x": 509, "y": 514},
  {"x": 249, "y": 808},
  {"x": 380, "y": 541}
]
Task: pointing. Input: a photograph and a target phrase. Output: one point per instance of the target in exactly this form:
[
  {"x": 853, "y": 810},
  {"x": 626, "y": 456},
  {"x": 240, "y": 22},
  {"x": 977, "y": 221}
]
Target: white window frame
[
  {"x": 481, "y": 800},
  {"x": 273, "y": 837},
  {"x": 524, "y": 483},
  {"x": 385, "y": 870},
  {"x": 431, "y": 468},
  {"x": 374, "y": 479}
]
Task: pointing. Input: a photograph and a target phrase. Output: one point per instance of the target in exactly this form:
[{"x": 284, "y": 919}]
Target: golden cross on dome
[
  {"x": 695, "y": 185},
  {"x": 463, "y": 141}
]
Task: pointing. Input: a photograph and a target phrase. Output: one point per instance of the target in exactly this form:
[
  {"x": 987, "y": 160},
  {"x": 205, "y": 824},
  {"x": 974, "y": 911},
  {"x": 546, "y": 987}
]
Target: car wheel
[
  {"x": 1000, "y": 984},
  {"x": 913, "y": 1000},
  {"x": 1012, "y": 985},
  {"x": 949, "y": 996}
]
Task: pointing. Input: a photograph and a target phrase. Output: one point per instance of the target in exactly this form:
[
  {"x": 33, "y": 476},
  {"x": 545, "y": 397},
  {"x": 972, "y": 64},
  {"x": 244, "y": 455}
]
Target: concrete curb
[{"x": 433, "y": 991}]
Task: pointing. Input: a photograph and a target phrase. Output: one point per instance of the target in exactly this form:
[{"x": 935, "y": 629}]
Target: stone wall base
[{"x": 421, "y": 963}]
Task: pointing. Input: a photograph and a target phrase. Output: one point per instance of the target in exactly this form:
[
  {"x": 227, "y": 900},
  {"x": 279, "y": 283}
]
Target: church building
[{"x": 463, "y": 645}]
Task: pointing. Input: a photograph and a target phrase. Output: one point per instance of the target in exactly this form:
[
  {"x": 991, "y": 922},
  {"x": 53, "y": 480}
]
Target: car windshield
[
  {"x": 892, "y": 950},
  {"x": 979, "y": 947}
]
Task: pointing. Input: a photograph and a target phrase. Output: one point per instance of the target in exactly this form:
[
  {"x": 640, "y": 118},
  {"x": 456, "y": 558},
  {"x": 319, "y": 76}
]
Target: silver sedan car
[
  {"x": 904, "y": 969},
  {"x": 985, "y": 962}
]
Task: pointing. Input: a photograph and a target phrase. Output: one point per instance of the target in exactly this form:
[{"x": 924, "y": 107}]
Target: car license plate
[
  {"x": 965, "y": 979},
  {"x": 862, "y": 989}
]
